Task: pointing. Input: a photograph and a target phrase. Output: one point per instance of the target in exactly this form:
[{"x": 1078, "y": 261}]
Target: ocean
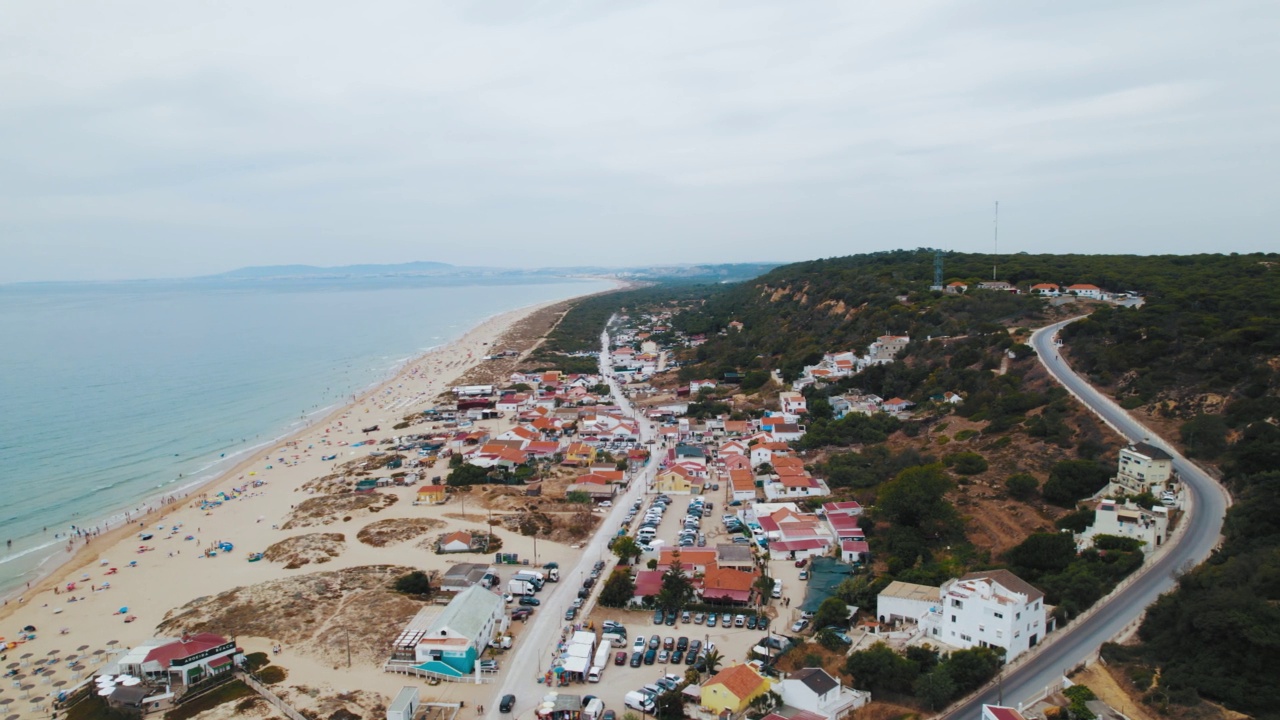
[{"x": 113, "y": 393}]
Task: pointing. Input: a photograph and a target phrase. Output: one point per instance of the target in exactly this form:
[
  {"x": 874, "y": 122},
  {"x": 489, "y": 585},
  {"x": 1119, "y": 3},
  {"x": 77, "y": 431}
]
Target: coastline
[{"x": 62, "y": 565}]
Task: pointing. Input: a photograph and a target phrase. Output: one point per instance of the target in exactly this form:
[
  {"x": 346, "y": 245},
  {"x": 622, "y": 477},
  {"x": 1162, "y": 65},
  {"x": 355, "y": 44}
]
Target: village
[{"x": 758, "y": 539}]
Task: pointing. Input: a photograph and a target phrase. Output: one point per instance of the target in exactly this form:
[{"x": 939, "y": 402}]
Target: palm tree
[{"x": 712, "y": 661}]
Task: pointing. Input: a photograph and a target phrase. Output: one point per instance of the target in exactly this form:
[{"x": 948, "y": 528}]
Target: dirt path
[{"x": 1109, "y": 691}]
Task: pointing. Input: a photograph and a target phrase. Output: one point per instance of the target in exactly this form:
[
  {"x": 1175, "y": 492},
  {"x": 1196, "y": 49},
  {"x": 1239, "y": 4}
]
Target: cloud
[{"x": 161, "y": 139}]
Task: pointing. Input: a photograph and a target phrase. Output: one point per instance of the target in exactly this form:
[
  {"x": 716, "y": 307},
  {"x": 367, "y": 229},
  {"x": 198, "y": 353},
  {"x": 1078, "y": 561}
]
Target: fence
[{"x": 270, "y": 697}]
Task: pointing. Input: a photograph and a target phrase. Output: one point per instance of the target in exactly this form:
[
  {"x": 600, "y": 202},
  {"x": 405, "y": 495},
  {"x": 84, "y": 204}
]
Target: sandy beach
[{"x": 77, "y": 610}]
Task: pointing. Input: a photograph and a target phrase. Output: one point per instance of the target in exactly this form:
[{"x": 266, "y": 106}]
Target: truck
[
  {"x": 601, "y": 661},
  {"x": 529, "y": 576},
  {"x": 521, "y": 587},
  {"x": 553, "y": 575}
]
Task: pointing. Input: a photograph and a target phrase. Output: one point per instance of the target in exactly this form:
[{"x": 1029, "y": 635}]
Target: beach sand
[{"x": 174, "y": 572}]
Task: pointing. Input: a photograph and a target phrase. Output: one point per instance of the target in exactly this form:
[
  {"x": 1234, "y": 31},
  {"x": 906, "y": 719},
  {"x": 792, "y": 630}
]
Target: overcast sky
[{"x": 163, "y": 139}]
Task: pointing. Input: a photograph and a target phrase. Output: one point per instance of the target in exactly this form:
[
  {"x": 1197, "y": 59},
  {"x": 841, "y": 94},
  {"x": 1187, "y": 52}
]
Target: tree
[
  {"x": 935, "y": 689},
  {"x": 712, "y": 661},
  {"x": 676, "y": 590},
  {"x": 618, "y": 590},
  {"x": 970, "y": 669},
  {"x": 1042, "y": 554},
  {"x": 415, "y": 583},
  {"x": 577, "y": 497},
  {"x": 832, "y": 611},
  {"x": 1022, "y": 486},
  {"x": 880, "y": 669},
  {"x": 468, "y": 474},
  {"x": 967, "y": 463},
  {"x": 1070, "y": 480},
  {"x": 627, "y": 549},
  {"x": 669, "y": 706},
  {"x": 1205, "y": 436},
  {"x": 916, "y": 498}
]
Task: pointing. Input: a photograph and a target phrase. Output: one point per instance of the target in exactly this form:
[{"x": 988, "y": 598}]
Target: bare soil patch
[
  {"x": 393, "y": 531},
  {"x": 302, "y": 550},
  {"x": 328, "y": 509},
  {"x": 523, "y": 337},
  {"x": 313, "y": 613}
]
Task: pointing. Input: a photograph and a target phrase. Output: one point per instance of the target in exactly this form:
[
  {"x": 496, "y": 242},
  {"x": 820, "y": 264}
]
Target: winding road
[{"x": 1206, "y": 504}]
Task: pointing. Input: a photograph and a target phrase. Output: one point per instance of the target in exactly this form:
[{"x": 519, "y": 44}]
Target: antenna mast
[{"x": 996, "y": 243}]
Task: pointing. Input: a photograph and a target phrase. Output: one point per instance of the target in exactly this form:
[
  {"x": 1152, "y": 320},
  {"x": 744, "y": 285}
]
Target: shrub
[
  {"x": 273, "y": 674},
  {"x": 967, "y": 463},
  {"x": 1022, "y": 486}
]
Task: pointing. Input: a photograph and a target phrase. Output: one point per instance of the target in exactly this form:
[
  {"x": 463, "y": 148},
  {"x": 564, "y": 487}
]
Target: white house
[
  {"x": 1128, "y": 520},
  {"x": 906, "y": 601},
  {"x": 813, "y": 690},
  {"x": 792, "y": 403},
  {"x": 459, "y": 635},
  {"x": 990, "y": 608},
  {"x": 1085, "y": 290},
  {"x": 1144, "y": 467}
]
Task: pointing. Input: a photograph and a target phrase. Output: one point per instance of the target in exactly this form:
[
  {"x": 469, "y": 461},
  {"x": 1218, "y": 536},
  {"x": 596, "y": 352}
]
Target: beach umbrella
[
  {"x": 60, "y": 683},
  {"x": 130, "y": 682},
  {"x": 116, "y": 642},
  {"x": 82, "y": 648},
  {"x": 14, "y": 717},
  {"x": 25, "y": 656},
  {"x": 12, "y": 665},
  {"x": 106, "y": 691},
  {"x": 54, "y": 651},
  {"x": 104, "y": 679}
]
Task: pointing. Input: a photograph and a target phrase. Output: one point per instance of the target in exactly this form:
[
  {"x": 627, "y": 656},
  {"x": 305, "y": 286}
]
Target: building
[
  {"x": 743, "y": 484},
  {"x": 457, "y": 541},
  {"x": 728, "y": 585},
  {"x": 461, "y": 576},
  {"x": 735, "y": 556},
  {"x": 1144, "y": 468},
  {"x": 990, "y": 608},
  {"x": 999, "y": 712},
  {"x": 815, "y": 691},
  {"x": 1128, "y": 520},
  {"x": 733, "y": 689},
  {"x": 677, "y": 480},
  {"x": 455, "y": 640},
  {"x": 180, "y": 662},
  {"x": 1085, "y": 290},
  {"x": 431, "y": 494},
  {"x": 886, "y": 348},
  {"x": 903, "y": 601},
  {"x": 793, "y": 403},
  {"x": 1046, "y": 290}
]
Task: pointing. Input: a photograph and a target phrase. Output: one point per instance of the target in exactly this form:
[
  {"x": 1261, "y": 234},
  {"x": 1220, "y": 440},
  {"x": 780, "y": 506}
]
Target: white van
[
  {"x": 593, "y": 675},
  {"x": 638, "y": 701},
  {"x": 646, "y": 534},
  {"x": 593, "y": 710},
  {"x": 777, "y": 588}
]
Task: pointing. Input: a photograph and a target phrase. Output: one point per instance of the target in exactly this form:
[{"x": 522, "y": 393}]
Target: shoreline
[{"x": 62, "y": 564}]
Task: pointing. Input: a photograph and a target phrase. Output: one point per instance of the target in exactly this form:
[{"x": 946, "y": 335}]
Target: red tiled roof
[
  {"x": 789, "y": 545},
  {"x": 426, "y": 489},
  {"x": 741, "y": 680},
  {"x": 648, "y": 582},
  {"x": 191, "y": 645}
]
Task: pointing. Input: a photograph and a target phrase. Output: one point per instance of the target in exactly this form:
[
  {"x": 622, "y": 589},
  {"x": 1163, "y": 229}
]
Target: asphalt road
[
  {"x": 1206, "y": 504},
  {"x": 534, "y": 647}
]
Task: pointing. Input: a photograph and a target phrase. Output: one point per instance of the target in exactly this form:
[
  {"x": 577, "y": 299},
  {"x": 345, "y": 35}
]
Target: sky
[{"x": 170, "y": 139}]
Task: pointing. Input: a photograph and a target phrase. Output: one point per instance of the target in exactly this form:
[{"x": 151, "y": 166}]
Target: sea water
[{"x": 114, "y": 393}]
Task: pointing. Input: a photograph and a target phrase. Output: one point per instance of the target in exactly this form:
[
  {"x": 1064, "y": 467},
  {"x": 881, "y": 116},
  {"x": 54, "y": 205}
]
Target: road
[
  {"x": 534, "y": 647},
  {"x": 1206, "y": 503}
]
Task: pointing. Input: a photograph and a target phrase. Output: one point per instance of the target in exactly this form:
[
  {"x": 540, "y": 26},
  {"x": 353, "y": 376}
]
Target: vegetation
[
  {"x": 1070, "y": 581},
  {"x": 618, "y": 590},
  {"x": 233, "y": 690},
  {"x": 1071, "y": 480},
  {"x": 933, "y": 678},
  {"x": 627, "y": 549},
  {"x": 677, "y": 589},
  {"x": 832, "y": 611},
  {"x": 416, "y": 583}
]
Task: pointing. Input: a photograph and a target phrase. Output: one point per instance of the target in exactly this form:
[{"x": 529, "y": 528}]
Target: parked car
[
  {"x": 609, "y": 715},
  {"x": 521, "y": 613},
  {"x": 637, "y": 657},
  {"x": 751, "y": 622},
  {"x": 658, "y": 617},
  {"x": 804, "y": 574},
  {"x": 677, "y": 657},
  {"x": 726, "y": 619},
  {"x": 663, "y": 656},
  {"x": 799, "y": 625},
  {"x": 671, "y": 618},
  {"x": 655, "y": 642},
  {"x": 682, "y": 643},
  {"x": 802, "y": 562},
  {"x": 712, "y": 619},
  {"x": 669, "y": 643},
  {"x": 699, "y": 618},
  {"x": 740, "y": 621},
  {"x": 531, "y": 601},
  {"x": 639, "y": 644},
  {"x": 570, "y": 614},
  {"x": 685, "y": 617},
  {"x": 508, "y": 702},
  {"x": 620, "y": 658},
  {"x": 650, "y": 656}
]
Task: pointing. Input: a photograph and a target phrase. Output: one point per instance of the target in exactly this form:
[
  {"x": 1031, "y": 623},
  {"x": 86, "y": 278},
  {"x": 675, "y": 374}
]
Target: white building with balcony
[{"x": 991, "y": 608}]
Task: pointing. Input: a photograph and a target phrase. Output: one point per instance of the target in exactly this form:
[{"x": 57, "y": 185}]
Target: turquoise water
[{"x": 114, "y": 393}]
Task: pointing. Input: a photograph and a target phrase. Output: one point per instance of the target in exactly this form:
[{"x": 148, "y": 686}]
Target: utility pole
[
  {"x": 347, "y": 631},
  {"x": 995, "y": 242}
]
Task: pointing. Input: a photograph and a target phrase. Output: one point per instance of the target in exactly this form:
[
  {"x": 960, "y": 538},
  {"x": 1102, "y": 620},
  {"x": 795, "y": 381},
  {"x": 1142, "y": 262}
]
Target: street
[{"x": 1205, "y": 504}]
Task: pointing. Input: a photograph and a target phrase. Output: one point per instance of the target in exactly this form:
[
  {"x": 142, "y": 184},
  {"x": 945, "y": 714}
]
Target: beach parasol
[
  {"x": 60, "y": 683},
  {"x": 105, "y": 691},
  {"x": 82, "y": 648},
  {"x": 104, "y": 679},
  {"x": 26, "y": 656},
  {"x": 130, "y": 681},
  {"x": 13, "y": 717},
  {"x": 5, "y": 701},
  {"x": 54, "y": 651},
  {"x": 115, "y": 642},
  {"x": 13, "y": 665}
]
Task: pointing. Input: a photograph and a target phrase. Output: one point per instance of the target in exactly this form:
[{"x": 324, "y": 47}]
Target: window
[
  {"x": 999, "y": 615},
  {"x": 999, "y": 634},
  {"x": 953, "y": 618},
  {"x": 957, "y": 604},
  {"x": 964, "y": 637},
  {"x": 1017, "y": 616}
]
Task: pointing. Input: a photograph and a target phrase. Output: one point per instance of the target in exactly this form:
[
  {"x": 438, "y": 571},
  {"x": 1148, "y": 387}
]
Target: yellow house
[
  {"x": 579, "y": 454},
  {"x": 677, "y": 480},
  {"x": 733, "y": 689},
  {"x": 431, "y": 494}
]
